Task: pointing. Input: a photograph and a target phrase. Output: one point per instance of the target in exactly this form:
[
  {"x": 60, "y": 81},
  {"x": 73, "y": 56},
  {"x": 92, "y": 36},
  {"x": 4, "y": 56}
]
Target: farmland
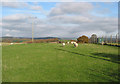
[{"x": 50, "y": 62}]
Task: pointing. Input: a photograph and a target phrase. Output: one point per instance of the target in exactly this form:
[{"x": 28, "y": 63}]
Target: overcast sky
[{"x": 59, "y": 19}]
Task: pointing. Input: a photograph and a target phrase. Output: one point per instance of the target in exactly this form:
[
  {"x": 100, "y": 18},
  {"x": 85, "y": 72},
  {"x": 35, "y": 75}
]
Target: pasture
[{"x": 50, "y": 62}]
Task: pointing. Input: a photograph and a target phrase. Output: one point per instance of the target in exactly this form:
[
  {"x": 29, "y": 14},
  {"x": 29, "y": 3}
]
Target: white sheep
[
  {"x": 68, "y": 42},
  {"x": 102, "y": 43},
  {"x": 72, "y": 42},
  {"x": 63, "y": 44},
  {"x": 75, "y": 44},
  {"x": 11, "y": 43}
]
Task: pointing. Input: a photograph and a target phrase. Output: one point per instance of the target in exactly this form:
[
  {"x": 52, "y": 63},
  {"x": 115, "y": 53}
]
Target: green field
[{"x": 49, "y": 62}]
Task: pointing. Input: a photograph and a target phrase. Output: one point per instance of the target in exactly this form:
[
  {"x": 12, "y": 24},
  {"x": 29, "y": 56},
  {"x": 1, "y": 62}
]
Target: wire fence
[{"x": 109, "y": 39}]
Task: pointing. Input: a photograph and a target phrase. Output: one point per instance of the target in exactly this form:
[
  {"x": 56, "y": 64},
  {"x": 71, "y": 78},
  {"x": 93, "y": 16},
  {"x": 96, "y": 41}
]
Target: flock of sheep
[
  {"x": 7, "y": 44},
  {"x": 63, "y": 44},
  {"x": 72, "y": 42}
]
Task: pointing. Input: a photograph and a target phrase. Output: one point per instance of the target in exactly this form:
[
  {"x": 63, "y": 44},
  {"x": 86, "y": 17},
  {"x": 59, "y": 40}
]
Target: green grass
[{"x": 45, "y": 62}]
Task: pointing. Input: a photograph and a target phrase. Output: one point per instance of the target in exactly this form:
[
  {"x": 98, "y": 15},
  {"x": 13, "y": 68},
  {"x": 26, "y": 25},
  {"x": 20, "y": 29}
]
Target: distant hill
[
  {"x": 46, "y": 38},
  {"x": 68, "y": 38},
  {"x": 24, "y": 39},
  {"x": 6, "y": 37}
]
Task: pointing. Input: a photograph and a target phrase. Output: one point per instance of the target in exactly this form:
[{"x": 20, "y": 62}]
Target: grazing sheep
[
  {"x": 0, "y": 44},
  {"x": 11, "y": 43},
  {"x": 68, "y": 42},
  {"x": 75, "y": 44},
  {"x": 63, "y": 44},
  {"x": 102, "y": 43},
  {"x": 72, "y": 42}
]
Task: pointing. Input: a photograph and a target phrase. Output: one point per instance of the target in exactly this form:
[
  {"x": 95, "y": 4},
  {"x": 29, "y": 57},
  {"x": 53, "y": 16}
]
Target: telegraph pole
[{"x": 33, "y": 28}]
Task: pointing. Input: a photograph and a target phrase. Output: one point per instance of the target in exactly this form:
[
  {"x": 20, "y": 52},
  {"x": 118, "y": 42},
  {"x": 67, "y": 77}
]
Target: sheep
[
  {"x": 102, "y": 43},
  {"x": 72, "y": 42},
  {"x": 68, "y": 42},
  {"x": 11, "y": 43},
  {"x": 75, "y": 44},
  {"x": 63, "y": 44},
  {"x": 0, "y": 44}
]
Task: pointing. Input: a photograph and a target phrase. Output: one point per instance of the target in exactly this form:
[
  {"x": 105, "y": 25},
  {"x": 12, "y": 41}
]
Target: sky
[{"x": 59, "y": 19}]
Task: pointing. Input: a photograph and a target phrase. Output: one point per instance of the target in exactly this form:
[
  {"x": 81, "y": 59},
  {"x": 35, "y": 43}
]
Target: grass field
[{"x": 49, "y": 62}]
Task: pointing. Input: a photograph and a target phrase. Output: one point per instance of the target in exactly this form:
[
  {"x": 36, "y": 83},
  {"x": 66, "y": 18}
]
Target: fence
[{"x": 112, "y": 40}]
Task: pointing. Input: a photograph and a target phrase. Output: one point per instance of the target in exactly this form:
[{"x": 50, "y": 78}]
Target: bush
[{"x": 83, "y": 39}]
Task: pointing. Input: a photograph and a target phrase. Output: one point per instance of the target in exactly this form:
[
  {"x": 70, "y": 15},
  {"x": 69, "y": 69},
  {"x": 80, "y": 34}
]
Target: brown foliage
[
  {"x": 73, "y": 40},
  {"x": 14, "y": 40},
  {"x": 83, "y": 39}
]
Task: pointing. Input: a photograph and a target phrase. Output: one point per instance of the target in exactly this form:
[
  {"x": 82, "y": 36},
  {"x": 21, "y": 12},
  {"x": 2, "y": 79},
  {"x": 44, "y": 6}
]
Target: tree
[
  {"x": 83, "y": 39},
  {"x": 93, "y": 38}
]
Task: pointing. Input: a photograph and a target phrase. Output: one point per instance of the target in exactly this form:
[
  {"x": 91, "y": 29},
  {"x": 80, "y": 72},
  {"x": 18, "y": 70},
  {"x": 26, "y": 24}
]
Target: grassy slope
[
  {"x": 51, "y": 62},
  {"x": 0, "y": 64}
]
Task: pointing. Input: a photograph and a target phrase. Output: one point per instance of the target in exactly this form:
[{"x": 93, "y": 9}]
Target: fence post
[
  {"x": 111, "y": 38},
  {"x": 116, "y": 38},
  {"x": 102, "y": 40},
  {"x": 106, "y": 40}
]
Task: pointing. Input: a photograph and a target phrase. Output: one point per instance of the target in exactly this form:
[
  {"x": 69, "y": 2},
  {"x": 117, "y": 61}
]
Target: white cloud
[
  {"x": 15, "y": 4},
  {"x": 7, "y": 35},
  {"x": 9, "y": 0},
  {"x": 15, "y": 17},
  {"x": 36, "y": 8},
  {"x": 61, "y": 0}
]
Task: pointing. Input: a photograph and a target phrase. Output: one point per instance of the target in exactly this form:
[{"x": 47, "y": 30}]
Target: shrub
[{"x": 83, "y": 39}]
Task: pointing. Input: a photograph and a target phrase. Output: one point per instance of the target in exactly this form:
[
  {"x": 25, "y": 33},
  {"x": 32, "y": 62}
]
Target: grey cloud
[
  {"x": 16, "y": 27},
  {"x": 107, "y": 25},
  {"x": 69, "y": 19},
  {"x": 18, "y": 24},
  {"x": 71, "y": 8}
]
